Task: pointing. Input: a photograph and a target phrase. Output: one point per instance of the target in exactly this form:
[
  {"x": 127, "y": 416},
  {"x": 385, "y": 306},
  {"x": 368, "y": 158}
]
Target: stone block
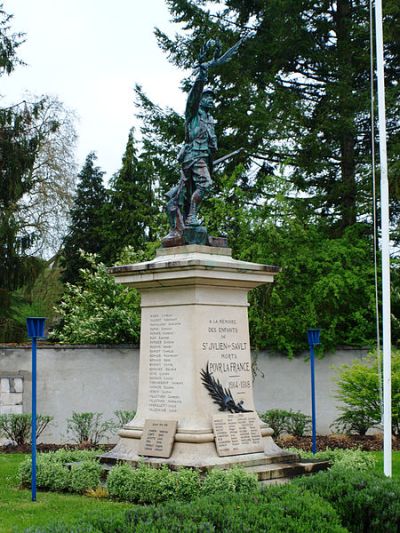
[
  {"x": 18, "y": 385},
  {"x": 11, "y": 398},
  {"x": 5, "y": 385},
  {"x": 11, "y": 409}
]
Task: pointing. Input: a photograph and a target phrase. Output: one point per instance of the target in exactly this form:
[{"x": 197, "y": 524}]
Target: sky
[{"x": 90, "y": 54}]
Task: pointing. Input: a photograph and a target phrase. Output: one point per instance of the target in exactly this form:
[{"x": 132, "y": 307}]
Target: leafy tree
[
  {"x": 358, "y": 390},
  {"x": 98, "y": 310},
  {"x": 86, "y": 227}
]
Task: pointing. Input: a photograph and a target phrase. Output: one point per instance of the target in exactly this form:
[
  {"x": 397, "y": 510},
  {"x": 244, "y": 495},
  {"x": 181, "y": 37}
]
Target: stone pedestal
[{"x": 194, "y": 328}]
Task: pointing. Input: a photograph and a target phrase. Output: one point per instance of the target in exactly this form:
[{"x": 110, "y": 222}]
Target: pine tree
[
  {"x": 86, "y": 228},
  {"x": 131, "y": 205}
]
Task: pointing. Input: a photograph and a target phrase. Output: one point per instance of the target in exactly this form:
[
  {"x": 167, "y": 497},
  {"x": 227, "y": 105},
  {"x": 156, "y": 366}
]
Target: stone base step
[
  {"x": 267, "y": 472},
  {"x": 285, "y": 471},
  {"x": 243, "y": 461}
]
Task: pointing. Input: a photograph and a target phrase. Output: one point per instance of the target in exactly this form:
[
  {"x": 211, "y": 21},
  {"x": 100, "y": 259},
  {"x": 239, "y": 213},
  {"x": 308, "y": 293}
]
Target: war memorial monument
[{"x": 195, "y": 405}]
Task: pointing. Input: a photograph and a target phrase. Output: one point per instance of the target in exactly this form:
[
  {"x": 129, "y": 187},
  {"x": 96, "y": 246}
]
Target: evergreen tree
[
  {"x": 131, "y": 205},
  {"x": 86, "y": 228},
  {"x": 298, "y": 92}
]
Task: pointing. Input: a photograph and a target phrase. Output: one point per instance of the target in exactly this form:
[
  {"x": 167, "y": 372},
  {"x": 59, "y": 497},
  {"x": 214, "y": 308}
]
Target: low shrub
[
  {"x": 52, "y": 474},
  {"x": 88, "y": 427},
  {"x": 17, "y": 427},
  {"x": 351, "y": 460},
  {"x": 286, "y": 508},
  {"x": 143, "y": 484},
  {"x": 292, "y": 422},
  {"x": 121, "y": 483},
  {"x": 232, "y": 480},
  {"x": 152, "y": 485},
  {"x": 85, "y": 476},
  {"x": 123, "y": 417},
  {"x": 365, "y": 501},
  {"x": 186, "y": 484}
]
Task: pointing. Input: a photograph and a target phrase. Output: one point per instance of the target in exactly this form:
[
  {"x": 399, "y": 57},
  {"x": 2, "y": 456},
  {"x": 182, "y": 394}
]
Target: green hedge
[
  {"x": 365, "y": 501},
  {"x": 276, "y": 510}
]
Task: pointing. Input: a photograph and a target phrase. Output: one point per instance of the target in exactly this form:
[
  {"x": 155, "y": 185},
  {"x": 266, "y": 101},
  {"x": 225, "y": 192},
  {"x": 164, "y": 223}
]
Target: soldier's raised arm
[{"x": 194, "y": 97}]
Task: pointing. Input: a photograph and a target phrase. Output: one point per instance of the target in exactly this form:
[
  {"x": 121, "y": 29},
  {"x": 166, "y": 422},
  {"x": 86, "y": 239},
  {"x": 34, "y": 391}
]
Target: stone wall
[{"x": 104, "y": 379}]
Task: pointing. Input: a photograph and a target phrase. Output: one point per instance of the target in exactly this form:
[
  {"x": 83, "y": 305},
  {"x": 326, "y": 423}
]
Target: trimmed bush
[
  {"x": 187, "y": 484},
  {"x": 351, "y": 460},
  {"x": 276, "y": 510},
  {"x": 365, "y": 501},
  {"x": 121, "y": 483},
  {"x": 85, "y": 476},
  {"x": 52, "y": 474},
  {"x": 232, "y": 480}
]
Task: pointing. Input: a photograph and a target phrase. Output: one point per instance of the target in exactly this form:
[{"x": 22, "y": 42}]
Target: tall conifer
[{"x": 86, "y": 228}]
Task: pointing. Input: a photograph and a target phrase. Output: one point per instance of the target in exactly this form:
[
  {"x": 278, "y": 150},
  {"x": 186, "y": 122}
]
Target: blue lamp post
[
  {"x": 35, "y": 327},
  {"x": 313, "y": 340}
]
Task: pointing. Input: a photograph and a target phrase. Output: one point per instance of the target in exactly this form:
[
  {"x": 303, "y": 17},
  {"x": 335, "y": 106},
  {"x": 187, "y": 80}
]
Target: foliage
[
  {"x": 18, "y": 427},
  {"x": 50, "y": 474},
  {"x": 53, "y": 472},
  {"x": 365, "y": 501},
  {"x": 85, "y": 231},
  {"x": 123, "y": 417},
  {"x": 88, "y": 427},
  {"x": 151, "y": 485},
  {"x": 293, "y": 98},
  {"x": 324, "y": 281},
  {"x": 294, "y": 423},
  {"x": 232, "y": 480},
  {"x": 359, "y": 391},
  {"x": 85, "y": 476},
  {"x": 18, "y": 512},
  {"x": 37, "y": 173},
  {"x": 98, "y": 311},
  {"x": 130, "y": 211},
  {"x": 277, "y": 509},
  {"x": 121, "y": 483},
  {"x": 350, "y": 460},
  {"x": 143, "y": 484}
]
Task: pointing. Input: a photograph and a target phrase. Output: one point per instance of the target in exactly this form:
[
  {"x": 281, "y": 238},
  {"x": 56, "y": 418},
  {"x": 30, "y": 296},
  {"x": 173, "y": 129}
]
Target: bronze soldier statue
[{"x": 196, "y": 155}]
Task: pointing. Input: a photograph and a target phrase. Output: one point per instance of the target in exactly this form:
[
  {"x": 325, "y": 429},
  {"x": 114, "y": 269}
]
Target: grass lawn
[
  {"x": 395, "y": 463},
  {"x": 18, "y": 512}
]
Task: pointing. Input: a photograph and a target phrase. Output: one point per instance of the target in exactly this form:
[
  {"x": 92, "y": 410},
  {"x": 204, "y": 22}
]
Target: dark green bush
[
  {"x": 365, "y": 501},
  {"x": 85, "y": 476},
  {"x": 281, "y": 509}
]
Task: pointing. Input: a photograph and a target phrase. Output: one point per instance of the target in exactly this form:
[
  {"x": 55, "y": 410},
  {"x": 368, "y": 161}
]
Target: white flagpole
[{"x": 385, "y": 239}]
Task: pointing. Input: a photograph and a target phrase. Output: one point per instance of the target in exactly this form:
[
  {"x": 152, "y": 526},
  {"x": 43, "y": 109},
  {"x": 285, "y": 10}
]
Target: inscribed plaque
[
  {"x": 158, "y": 438},
  {"x": 237, "y": 433}
]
